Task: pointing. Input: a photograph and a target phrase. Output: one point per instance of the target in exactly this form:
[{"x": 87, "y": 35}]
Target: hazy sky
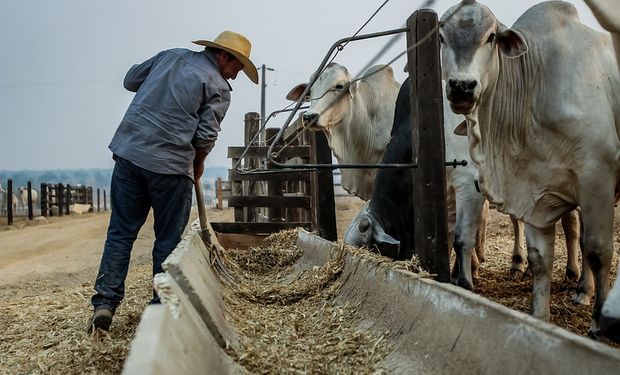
[{"x": 61, "y": 93}]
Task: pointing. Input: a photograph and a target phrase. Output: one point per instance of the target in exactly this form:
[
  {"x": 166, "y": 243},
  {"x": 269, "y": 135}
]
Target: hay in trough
[{"x": 289, "y": 323}]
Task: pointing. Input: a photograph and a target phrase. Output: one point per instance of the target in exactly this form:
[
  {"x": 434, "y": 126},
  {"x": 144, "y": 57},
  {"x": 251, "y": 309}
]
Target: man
[{"x": 159, "y": 148}]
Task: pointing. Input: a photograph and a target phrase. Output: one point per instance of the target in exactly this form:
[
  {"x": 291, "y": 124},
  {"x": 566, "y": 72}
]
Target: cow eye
[
  {"x": 491, "y": 38},
  {"x": 339, "y": 87}
]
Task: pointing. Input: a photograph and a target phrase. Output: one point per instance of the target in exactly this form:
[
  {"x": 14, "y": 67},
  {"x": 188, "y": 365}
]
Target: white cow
[
  {"x": 3, "y": 200},
  {"x": 23, "y": 194},
  {"x": 542, "y": 102},
  {"x": 358, "y": 123},
  {"x": 607, "y": 12}
]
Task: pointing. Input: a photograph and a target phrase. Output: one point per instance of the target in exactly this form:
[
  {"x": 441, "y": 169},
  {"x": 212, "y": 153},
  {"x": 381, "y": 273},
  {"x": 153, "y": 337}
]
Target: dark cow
[{"x": 384, "y": 219}]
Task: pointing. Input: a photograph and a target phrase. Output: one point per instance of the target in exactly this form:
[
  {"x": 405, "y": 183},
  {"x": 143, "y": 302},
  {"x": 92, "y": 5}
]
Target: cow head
[
  {"x": 471, "y": 40},
  {"x": 364, "y": 230},
  {"x": 328, "y": 96}
]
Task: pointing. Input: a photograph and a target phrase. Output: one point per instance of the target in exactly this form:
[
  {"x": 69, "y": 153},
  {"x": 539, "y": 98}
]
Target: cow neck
[
  {"x": 505, "y": 110},
  {"x": 507, "y": 123}
]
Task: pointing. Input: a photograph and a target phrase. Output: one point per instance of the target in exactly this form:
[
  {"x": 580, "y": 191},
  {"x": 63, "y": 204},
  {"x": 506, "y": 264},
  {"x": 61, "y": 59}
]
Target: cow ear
[
  {"x": 380, "y": 236},
  {"x": 461, "y": 129},
  {"x": 511, "y": 42},
  {"x": 353, "y": 87},
  {"x": 296, "y": 92}
]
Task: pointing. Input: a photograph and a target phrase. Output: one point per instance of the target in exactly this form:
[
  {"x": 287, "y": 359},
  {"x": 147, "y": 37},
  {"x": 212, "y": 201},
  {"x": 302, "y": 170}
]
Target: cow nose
[
  {"x": 363, "y": 225},
  {"x": 311, "y": 118},
  {"x": 465, "y": 85}
]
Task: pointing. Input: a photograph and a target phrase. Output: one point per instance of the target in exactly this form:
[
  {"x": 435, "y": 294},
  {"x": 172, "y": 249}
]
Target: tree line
[{"x": 95, "y": 177}]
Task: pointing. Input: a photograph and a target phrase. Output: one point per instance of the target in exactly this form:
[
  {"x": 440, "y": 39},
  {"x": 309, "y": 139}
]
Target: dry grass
[{"x": 43, "y": 328}]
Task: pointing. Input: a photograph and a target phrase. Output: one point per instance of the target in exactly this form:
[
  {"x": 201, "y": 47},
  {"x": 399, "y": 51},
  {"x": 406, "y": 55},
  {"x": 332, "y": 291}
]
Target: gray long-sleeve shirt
[{"x": 180, "y": 101}]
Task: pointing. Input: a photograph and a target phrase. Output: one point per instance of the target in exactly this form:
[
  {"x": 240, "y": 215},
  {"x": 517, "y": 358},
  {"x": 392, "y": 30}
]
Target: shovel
[{"x": 202, "y": 213}]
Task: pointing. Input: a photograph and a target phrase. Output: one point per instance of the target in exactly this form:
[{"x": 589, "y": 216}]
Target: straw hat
[{"x": 238, "y": 46}]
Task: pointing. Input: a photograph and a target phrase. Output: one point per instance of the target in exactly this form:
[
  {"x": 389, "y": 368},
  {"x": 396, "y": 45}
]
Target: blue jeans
[{"x": 133, "y": 192}]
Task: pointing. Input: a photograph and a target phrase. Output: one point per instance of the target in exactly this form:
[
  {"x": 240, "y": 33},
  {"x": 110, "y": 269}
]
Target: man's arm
[
  {"x": 199, "y": 163},
  {"x": 211, "y": 115},
  {"x": 138, "y": 73}
]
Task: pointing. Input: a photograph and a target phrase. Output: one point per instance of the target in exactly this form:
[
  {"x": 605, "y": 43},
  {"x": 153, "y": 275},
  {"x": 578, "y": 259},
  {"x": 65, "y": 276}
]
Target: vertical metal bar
[
  {"x": 105, "y": 201},
  {"x": 98, "y": 200},
  {"x": 69, "y": 199},
  {"x": 429, "y": 195}
]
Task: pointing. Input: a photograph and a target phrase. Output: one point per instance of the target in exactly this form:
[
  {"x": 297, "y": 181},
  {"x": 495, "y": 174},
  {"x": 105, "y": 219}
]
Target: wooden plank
[
  {"x": 233, "y": 176},
  {"x": 429, "y": 196},
  {"x": 261, "y": 151},
  {"x": 267, "y": 201},
  {"x": 256, "y": 228}
]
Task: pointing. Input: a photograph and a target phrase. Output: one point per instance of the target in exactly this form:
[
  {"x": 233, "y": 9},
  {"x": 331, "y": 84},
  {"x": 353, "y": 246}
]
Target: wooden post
[
  {"x": 218, "y": 193},
  {"x": 252, "y": 124},
  {"x": 105, "y": 201},
  {"x": 98, "y": 200},
  {"x": 89, "y": 199},
  {"x": 429, "y": 180},
  {"x": 61, "y": 198},
  {"x": 9, "y": 202},
  {"x": 30, "y": 206},
  {"x": 44, "y": 200},
  {"x": 68, "y": 200},
  {"x": 274, "y": 188},
  {"x": 325, "y": 205}
]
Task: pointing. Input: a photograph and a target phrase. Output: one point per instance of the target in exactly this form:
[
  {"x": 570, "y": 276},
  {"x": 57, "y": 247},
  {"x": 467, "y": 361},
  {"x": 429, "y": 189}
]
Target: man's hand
[{"x": 199, "y": 164}]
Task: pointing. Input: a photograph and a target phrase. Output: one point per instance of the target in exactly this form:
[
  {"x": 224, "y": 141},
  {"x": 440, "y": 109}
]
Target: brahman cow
[
  {"x": 542, "y": 103},
  {"x": 607, "y": 12},
  {"x": 357, "y": 123},
  {"x": 23, "y": 194},
  {"x": 3, "y": 200}
]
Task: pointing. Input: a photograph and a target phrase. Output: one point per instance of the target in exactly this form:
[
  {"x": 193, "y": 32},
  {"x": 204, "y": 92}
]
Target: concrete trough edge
[{"x": 439, "y": 328}]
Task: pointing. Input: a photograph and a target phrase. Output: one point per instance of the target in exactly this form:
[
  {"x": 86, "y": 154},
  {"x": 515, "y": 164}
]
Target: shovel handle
[{"x": 202, "y": 212}]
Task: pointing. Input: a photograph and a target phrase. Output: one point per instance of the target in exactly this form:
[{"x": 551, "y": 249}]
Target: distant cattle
[
  {"x": 23, "y": 194},
  {"x": 607, "y": 12},
  {"x": 542, "y": 102},
  {"x": 356, "y": 116},
  {"x": 3, "y": 201}
]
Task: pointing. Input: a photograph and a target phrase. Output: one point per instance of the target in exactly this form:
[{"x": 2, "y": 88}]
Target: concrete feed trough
[{"x": 434, "y": 328}]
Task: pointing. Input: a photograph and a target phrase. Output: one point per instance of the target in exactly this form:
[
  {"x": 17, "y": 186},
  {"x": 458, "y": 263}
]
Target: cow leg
[
  {"x": 519, "y": 256},
  {"x": 477, "y": 256},
  {"x": 540, "y": 246},
  {"x": 570, "y": 225},
  {"x": 585, "y": 288},
  {"x": 481, "y": 235},
  {"x": 468, "y": 213},
  {"x": 597, "y": 220},
  {"x": 610, "y": 314}
]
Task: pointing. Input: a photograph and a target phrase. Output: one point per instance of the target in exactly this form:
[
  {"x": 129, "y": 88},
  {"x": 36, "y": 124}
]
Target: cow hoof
[
  {"x": 581, "y": 299},
  {"x": 610, "y": 328},
  {"x": 516, "y": 274},
  {"x": 571, "y": 276},
  {"x": 463, "y": 283}
]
